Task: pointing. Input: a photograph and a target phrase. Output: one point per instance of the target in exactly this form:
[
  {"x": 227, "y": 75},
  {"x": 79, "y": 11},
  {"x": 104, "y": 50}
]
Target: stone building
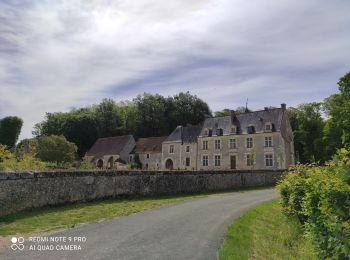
[
  {"x": 179, "y": 150},
  {"x": 253, "y": 140},
  {"x": 110, "y": 152},
  {"x": 149, "y": 151}
]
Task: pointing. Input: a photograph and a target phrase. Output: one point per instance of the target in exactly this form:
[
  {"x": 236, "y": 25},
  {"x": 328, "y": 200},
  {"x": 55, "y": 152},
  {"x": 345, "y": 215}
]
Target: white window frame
[
  {"x": 249, "y": 142},
  {"x": 205, "y": 145},
  {"x": 171, "y": 148},
  {"x": 205, "y": 158},
  {"x": 249, "y": 158},
  {"x": 217, "y": 158},
  {"x": 217, "y": 144},
  {"x": 271, "y": 159},
  {"x": 232, "y": 144},
  {"x": 268, "y": 141}
]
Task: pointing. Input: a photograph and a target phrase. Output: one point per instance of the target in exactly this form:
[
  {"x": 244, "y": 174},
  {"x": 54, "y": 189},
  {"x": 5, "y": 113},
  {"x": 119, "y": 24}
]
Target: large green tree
[
  {"x": 308, "y": 126},
  {"x": 10, "y": 128},
  {"x": 338, "y": 109}
]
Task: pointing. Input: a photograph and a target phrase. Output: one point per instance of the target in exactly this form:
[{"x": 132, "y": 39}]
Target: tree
[
  {"x": 307, "y": 125},
  {"x": 10, "y": 128},
  {"x": 55, "y": 149},
  {"x": 337, "y": 108},
  {"x": 185, "y": 108},
  {"x": 227, "y": 111}
]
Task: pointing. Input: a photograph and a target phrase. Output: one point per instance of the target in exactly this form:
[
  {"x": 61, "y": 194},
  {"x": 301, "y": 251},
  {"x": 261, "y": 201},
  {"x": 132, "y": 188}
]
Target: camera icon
[{"x": 17, "y": 243}]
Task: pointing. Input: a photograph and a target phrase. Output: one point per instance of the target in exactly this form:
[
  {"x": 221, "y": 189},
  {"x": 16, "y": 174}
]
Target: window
[
  {"x": 268, "y": 141},
  {"x": 171, "y": 149},
  {"x": 187, "y": 149},
  {"x": 268, "y": 127},
  {"x": 268, "y": 160},
  {"x": 205, "y": 145},
  {"x": 130, "y": 158},
  {"x": 232, "y": 144},
  {"x": 249, "y": 142},
  {"x": 206, "y": 132},
  {"x": 217, "y": 145},
  {"x": 251, "y": 129},
  {"x": 250, "y": 160},
  {"x": 233, "y": 130},
  {"x": 147, "y": 156},
  {"x": 217, "y": 160},
  {"x": 205, "y": 160},
  {"x": 188, "y": 161},
  {"x": 219, "y": 132}
]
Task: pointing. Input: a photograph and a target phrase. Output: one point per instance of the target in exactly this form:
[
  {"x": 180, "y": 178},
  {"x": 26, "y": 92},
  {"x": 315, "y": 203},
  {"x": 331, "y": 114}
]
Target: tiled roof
[
  {"x": 109, "y": 145},
  {"x": 242, "y": 121},
  {"x": 150, "y": 145},
  {"x": 186, "y": 134}
]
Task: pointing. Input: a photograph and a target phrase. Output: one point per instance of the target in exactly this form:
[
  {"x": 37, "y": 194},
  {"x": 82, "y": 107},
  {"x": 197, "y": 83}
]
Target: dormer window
[
  {"x": 219, "y": 131},
  {"x": 233, "y": 130},
  {"x": 251, "y": 129},
  {"x": 207, "y": 132},
  {"x": 268, "y": 127}
]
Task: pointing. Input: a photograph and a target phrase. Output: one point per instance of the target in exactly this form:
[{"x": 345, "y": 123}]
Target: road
[{"x": 189, "y": 230}]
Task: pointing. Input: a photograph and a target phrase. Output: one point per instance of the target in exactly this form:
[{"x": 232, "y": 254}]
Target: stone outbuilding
[
  {"x": 109, "y": 152},
  {"x": 149, "y": 151},
  {"x": 179, "y": 150}
]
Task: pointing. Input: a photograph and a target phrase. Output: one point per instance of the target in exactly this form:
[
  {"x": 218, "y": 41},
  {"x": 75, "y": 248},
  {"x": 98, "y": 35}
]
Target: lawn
[
  {"x": 61, "y": 217},
  {"x": 265, "y": 233}
]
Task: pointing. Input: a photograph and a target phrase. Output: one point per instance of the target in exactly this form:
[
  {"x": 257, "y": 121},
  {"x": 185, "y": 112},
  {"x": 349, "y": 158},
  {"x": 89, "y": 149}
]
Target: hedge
[{"x": 320, "y": 197}]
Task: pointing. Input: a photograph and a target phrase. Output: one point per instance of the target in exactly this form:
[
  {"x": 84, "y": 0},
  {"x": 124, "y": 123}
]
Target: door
[{"x": 233, "y": 162}]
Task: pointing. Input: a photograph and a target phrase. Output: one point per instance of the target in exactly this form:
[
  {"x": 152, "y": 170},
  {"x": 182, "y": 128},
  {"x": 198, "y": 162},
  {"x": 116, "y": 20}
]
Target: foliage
[
  {"x": 10, "y": 128},
  {"x": 8, "y": 161},
  {"x": 320, "y": 198},
  {"x": 55, "y": 149},
  {"x": 227, "y": 111},
  {"x": 147, "y": 115},
  {"x": 86, "y": 164},
  {"x": 308, "y": 127}
]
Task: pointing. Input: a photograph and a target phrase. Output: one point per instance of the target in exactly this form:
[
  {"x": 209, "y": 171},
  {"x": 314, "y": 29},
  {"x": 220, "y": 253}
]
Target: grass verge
[
  {"x": 67, "y": 216},
  {"x": 265, "y": 233},
  {"x": 61, "y": 217}
]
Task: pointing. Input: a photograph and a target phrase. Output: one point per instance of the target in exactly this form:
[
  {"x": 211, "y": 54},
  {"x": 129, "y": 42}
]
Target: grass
[
  {"x": 67, "y": 216},
  {"x": 61, "y": 217},
  {"x": 265, "y": 233}
]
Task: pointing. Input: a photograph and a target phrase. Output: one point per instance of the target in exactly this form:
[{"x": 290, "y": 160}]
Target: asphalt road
[{"x": 190, "y": 230}]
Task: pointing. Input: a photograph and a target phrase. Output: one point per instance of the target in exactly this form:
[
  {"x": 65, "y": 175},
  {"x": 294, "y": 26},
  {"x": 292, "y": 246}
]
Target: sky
[{"x": 60, "y": 54}]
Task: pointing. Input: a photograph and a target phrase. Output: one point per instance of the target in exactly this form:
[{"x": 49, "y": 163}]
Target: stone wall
[{"x": 26, "y": 190}]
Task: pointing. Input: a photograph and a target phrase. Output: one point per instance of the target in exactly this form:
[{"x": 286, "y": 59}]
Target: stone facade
[
  {"x": 253, "y": 140},
  {"x": 112, "y": 152},
  {"x": 149, "y": 151},
  {"x": 26, "y": 190},
  {"x": 179, "y": 150}
]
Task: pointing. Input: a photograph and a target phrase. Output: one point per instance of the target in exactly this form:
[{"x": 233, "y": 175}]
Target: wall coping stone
[{"x": 5, "y": 176}]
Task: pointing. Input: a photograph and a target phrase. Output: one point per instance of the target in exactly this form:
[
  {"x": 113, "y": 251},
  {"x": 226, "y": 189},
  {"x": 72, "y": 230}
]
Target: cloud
[{"x": 59, "y": 54}]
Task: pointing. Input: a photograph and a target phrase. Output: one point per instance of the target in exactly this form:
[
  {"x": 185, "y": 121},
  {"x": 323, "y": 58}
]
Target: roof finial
[{"x": 246, "y": 106}]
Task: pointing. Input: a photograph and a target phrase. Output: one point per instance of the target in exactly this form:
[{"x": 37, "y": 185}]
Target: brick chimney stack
[{"x": 233, "y": 116}]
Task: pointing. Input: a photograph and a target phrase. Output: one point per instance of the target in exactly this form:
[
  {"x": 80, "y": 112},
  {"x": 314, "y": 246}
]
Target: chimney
[
  {"x": 233, "y": 115},
  {"x": 266, "y": 108},
  {"x": 283, "y": 106}
]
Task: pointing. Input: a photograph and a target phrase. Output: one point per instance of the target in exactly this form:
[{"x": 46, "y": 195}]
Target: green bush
[{"x": 320, "y": 198}]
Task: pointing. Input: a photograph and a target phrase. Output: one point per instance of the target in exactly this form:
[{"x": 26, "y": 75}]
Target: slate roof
[
  {"x": 109, "y": 145},
  {"x": 185, "y": 134},
  {"x": 256, "y": 119},
  {"x": 150, "y": 145}
]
